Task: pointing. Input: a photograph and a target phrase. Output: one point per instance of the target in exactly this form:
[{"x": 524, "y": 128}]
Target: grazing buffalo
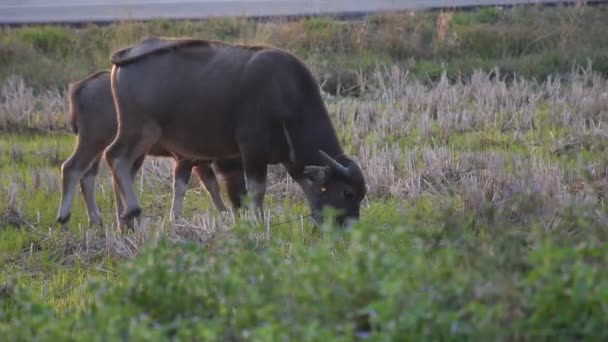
[
  {"x": 93, "y": 119},
  {"x": 205, "y": 99}
]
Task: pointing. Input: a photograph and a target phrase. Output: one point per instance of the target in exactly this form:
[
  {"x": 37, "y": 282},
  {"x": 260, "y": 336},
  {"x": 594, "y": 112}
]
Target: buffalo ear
[{"x": 317, "y": 174}]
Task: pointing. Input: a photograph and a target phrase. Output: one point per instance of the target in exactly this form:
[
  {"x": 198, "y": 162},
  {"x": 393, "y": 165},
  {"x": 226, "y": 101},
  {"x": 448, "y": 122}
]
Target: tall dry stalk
[{"x": 443, "y": 25}]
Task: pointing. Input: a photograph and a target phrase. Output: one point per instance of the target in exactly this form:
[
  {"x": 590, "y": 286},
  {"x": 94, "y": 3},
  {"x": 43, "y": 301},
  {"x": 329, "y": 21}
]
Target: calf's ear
[{"x": 317, "y": 174}]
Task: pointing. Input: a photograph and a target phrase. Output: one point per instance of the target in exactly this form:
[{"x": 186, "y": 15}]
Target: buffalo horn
[{"x": 341, "y": 169}]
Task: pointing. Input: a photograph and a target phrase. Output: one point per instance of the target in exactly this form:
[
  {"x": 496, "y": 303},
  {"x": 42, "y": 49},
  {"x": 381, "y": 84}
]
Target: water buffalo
[
  {"x": 93, "y": 119},
  {"x": 206, "y": 99}
]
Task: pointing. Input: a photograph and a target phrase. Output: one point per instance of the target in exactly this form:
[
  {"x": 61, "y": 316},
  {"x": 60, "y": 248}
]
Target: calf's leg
[
  {"x": 72, "y": 171},
  {"x": 87, "y": 186},
  {"x": 181, "y": 178},
  {"x": 207, "y": 176}
]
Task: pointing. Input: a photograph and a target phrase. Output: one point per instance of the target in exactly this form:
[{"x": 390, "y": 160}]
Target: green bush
[
  {"x": 326, "y": 35},
  {"x": 440, "y": 281},
  {"x": 487, "y": 15},
  {"x": 568, "y": 291},
  {"x": 227, "y": 29},
  {"x": 498, "y": 41},
  {"x": 550, "y": 62},
  {"x": 48, "y": 39}
]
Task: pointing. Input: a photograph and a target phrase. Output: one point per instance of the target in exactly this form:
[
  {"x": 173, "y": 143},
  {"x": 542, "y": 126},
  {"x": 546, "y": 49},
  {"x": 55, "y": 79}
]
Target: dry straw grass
[
  {"x": 20, "y": 107},
  {"x": 88, "y": 246},
  {"x": 403, "y": 133},
  {"x": 443, "y": 25}
]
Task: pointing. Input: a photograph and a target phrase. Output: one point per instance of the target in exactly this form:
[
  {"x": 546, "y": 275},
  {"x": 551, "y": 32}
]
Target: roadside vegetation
[
  {"x": 485, "y": 219},
  {"x": 529, "y": 41}
]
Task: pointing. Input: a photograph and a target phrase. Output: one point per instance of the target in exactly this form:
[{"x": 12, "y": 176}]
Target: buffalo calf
[{"x": 94, "y": 121}]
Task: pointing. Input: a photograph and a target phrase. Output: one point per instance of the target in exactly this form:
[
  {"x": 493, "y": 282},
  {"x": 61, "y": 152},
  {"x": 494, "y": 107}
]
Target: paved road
[{"x": 78, "y": 11}]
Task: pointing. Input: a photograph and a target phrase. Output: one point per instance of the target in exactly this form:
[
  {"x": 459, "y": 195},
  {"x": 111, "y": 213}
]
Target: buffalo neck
[{"x": 310, "y": 135}]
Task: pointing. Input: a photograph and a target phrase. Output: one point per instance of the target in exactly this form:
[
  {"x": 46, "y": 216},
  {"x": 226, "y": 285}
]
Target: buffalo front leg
[
  {"x": 136, "y": 167},
  {"x": 206, "y": 175},
  {"x": 254, "y": 146},
  {"x": 118, "y": 204},
  {"x": 72, "y": 171},
  {"x": 233, "y": 177},
  {"x": 255, "y": 179},
  {"x": 122, "y": 156},
  {"x": 87, "y": 186},
  {"x": 181, "y": 178},
  {"x": 119, "y": 201}
]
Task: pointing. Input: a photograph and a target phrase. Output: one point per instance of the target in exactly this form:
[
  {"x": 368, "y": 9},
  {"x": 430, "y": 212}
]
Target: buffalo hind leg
[
  {"x": 207, "y": 176},
  {"x": 181, "y": 178},
  {"x": 72, "y": 171},
  {"x": 119, "y": 201},
  {"x": 87, "y": 186},
  {"x": 122, "y": 156}
]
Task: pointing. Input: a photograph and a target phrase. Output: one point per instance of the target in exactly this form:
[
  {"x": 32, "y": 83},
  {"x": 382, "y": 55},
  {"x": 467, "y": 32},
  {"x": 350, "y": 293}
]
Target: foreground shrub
[{"x": 436, "y": 281}]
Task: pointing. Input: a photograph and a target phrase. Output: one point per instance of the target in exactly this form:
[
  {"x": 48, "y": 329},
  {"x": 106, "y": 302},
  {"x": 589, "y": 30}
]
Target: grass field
[{"x": 485, "y": 219}]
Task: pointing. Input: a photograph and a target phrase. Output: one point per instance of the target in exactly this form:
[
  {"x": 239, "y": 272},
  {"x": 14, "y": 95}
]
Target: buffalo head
[{"x": 339, "y": 185}]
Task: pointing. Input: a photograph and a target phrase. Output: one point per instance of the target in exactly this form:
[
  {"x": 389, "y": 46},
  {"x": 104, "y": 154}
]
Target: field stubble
[{"x": 482, "y": 141}]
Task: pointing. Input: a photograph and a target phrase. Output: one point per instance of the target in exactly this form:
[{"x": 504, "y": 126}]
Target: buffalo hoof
[
  {"x": 131, "y": 214},
  {"x": 97, "y": 223},
  {"x": 64, "y": 220},
  {"x": 126, "y": 228}
]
